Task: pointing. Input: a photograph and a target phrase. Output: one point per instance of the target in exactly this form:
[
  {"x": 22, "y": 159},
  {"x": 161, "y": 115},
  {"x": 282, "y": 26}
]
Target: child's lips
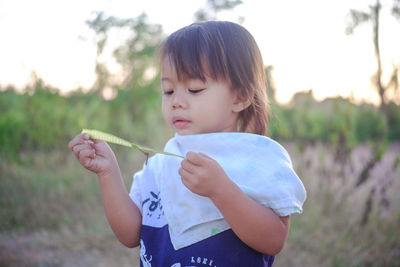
[{"x": 180, "y": 122}]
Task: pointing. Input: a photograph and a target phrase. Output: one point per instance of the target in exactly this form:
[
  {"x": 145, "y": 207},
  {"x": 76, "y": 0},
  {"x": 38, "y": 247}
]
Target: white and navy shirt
[{"x": 223, "y": 249}]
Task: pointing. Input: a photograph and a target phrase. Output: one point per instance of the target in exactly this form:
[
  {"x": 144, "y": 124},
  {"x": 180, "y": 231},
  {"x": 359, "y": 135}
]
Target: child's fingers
[
  {"x": 79, "y": 139},
  {"x": 77, "y": 149},
  {"x": 86, "y": 155},
  {"x": 99, "y": 144},
  {"x": 86, "y": 162},
  {"x": 184, "y": 175},
  {"x": 81, "y": 146},
  {"x": 204, "y": 156},
  {"x": 101, "y": 147},
  {"x": 194, "y": 158},
  {"x": 188, "y": 166},
  {"x": 198, "y": 159}
]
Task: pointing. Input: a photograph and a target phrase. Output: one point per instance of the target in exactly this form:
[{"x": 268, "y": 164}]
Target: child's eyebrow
[
  {"x": 187, "y": 80},
  {"x": 165, "y": 79}
]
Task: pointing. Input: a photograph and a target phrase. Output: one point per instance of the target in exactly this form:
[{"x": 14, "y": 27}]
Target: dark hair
[{"x": 223, "y": 50}]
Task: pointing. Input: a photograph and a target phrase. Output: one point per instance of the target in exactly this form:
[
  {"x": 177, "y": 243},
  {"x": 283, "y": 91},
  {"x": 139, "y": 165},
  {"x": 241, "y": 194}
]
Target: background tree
[
  {"x": 214, "y": 7},
  {"x": 135, "y": 56},
  {"x": 373, "y": 16}
]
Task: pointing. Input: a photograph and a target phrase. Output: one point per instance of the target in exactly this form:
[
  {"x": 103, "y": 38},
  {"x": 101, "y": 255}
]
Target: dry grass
[
  {"x": 330, "y": 231},
  {"x": 65, "y": 247}
]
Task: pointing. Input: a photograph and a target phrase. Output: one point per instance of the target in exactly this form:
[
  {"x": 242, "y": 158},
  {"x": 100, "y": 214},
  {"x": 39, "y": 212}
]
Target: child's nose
[{"x": 179, "y": 100}]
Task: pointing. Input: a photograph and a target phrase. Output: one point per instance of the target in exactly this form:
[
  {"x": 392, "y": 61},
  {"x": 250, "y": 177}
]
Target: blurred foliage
[
  {"x": 41, "y": 118},
  {"x": 213, "y": 7},
  {"x": 333, "y": 119}
]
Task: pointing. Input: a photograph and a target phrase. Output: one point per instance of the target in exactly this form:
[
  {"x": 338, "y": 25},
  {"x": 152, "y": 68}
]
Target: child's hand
[
  {"x": 96, "y": 156},
  {"x": 202, "y": 174}
]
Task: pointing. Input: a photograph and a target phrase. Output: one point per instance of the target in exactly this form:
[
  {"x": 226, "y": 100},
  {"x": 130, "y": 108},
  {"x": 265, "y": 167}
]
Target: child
[{"x": 228, "y": 202}]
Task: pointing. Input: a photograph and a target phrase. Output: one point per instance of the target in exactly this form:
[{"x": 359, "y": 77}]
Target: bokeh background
[{"x": 333, "y": 84}]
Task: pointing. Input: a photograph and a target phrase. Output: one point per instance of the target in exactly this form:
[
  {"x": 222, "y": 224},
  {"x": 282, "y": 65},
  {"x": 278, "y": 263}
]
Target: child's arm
[
  {"x": 256, "y": 225},
  {"x": 123, "y": 215}
]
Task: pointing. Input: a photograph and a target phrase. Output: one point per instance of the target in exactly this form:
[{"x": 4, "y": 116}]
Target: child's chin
[{"x": 186, "y": 131}]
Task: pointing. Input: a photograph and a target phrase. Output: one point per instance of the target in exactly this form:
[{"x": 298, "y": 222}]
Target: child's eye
[
  {"x": 195, "y": 91},
  {"x": 168, "y": 92}
]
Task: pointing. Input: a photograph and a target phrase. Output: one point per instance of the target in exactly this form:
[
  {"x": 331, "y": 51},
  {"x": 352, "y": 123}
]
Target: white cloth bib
[{"x": 258, "y": 165}]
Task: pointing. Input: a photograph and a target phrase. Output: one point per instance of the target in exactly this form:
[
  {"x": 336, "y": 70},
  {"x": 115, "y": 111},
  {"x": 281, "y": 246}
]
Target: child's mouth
[{"x": 180, "y": 122}]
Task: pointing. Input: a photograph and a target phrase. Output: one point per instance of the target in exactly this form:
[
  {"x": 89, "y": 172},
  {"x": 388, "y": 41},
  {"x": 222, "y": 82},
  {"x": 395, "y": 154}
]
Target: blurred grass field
[{"x": 51, "y": 211}]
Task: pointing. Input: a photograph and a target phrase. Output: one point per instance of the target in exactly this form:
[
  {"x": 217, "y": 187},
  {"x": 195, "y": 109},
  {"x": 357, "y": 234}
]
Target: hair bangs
[{"x": 193, "y": 54}]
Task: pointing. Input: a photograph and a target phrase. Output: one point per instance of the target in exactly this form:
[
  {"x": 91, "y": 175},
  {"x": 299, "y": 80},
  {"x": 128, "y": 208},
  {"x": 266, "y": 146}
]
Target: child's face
[{"x": 194, "y": 107}]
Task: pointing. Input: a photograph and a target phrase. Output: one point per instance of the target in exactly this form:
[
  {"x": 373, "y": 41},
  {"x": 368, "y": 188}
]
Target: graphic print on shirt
[
  {"x": 203, "y": 261},
  {"x": 152, "y": 206},
  {"x": 143, "y": 256},
  {"x": 198, "y": 261}
]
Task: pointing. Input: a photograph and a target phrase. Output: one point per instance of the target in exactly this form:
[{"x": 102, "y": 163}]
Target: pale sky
[{"x": 304, "y": 41}]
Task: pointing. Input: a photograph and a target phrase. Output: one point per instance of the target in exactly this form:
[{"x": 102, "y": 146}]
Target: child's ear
[{"x": 241, "y": 104}]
